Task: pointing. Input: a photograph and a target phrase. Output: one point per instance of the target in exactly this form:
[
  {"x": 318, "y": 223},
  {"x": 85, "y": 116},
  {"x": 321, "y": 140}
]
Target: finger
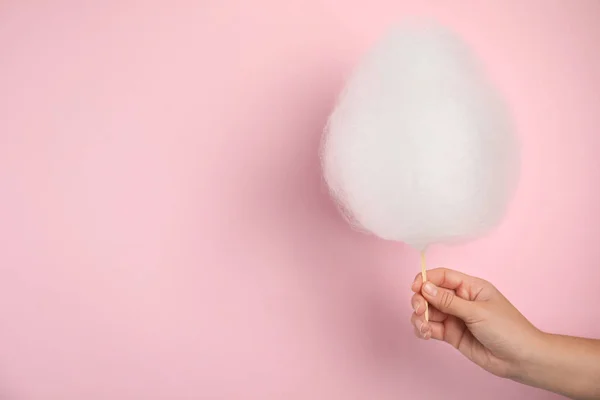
[
  {"x": 422, "y": 328},
  {"x": 443, "y": 277},
  {"x": 436, "y": 315},
  {"x": 455, "y": 332},
  {"x": 417, "y": 282},
  {"x": 437, "y": 330},
  {"x": 419, "y": 305},
  {"x": 451, "y": 331},
  {"x": 466, "y": 286},
  {"x": 429, "y": 330},
  {"x": 448, "y": 302},
  {"x": 418, "y": 334}
]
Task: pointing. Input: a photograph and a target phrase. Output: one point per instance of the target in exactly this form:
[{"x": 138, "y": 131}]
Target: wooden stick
[{"x": 424, "y": 276}]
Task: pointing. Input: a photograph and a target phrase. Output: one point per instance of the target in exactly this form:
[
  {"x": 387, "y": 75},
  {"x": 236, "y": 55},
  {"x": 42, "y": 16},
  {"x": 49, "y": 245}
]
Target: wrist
[{"x": 533, "y": 358}]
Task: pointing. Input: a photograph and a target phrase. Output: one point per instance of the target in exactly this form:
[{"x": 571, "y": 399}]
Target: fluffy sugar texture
[{"x": 419, "y": 147}]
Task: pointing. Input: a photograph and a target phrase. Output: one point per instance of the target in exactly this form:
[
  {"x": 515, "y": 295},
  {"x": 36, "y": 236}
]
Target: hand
[{"x": 474, "y": 317}]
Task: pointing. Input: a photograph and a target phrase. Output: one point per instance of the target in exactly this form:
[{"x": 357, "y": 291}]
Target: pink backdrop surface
[{"x": 164, "y": 231}]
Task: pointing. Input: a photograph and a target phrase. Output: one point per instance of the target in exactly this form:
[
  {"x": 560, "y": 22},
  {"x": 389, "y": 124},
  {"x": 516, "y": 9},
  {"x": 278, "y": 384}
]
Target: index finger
[{"x": 445, "y": 278}]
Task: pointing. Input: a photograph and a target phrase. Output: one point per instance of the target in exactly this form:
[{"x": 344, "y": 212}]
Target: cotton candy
[{"x": 420, "y": 147}]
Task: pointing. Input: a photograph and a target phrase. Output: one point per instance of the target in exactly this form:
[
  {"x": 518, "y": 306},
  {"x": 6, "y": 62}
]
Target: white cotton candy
[{"x": 419, "y": 148}]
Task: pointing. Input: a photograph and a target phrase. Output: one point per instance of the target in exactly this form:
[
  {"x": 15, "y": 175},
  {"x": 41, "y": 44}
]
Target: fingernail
[
  {"x": 430, "y": 289},
  {"x": 422, "y": 328},
  {"x": 419, "y": 325},
  {"x": 416, "y": 306}
]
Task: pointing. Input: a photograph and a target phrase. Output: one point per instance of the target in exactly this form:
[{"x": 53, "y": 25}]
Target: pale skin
[{"x": 473, "y": 316}]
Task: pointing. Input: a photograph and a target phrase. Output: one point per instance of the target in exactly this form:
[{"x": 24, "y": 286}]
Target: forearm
[{"x": 566, "y": 365}]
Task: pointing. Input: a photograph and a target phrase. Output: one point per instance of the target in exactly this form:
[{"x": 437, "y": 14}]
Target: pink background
[{"x": 164, "y": 232}]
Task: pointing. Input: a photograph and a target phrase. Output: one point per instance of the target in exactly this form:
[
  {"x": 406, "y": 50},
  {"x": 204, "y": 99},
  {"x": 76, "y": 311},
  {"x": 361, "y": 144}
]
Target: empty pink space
[{"x": 165, "y": 232}]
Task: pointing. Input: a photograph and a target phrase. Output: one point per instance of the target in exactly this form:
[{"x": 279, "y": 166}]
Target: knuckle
[
  {"x": 486, "y": 284},
  {"x": 438, "y": 271},
  {"x": 463, "y": 292},
  {"x": 483, "y": 282}
]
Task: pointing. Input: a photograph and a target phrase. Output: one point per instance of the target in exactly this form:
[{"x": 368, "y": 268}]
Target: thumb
[{"x": 448, "y": 302}]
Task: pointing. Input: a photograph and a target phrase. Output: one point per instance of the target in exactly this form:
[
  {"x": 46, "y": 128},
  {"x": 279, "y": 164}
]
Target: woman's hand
[{"x": 474, "y": 317}]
